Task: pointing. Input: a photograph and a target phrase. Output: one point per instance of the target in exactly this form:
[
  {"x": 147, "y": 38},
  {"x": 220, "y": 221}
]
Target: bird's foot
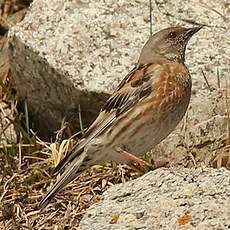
[{"x": 134, "y": 158}]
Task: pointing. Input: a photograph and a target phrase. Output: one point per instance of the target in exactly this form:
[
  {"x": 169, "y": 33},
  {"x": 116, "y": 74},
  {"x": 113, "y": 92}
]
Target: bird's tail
[{"x": 65, "y": 178}]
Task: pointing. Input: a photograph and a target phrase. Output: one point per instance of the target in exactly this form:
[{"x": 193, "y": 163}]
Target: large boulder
[
  {"x": 165, "y": 199},
  {"x": 68, "y": 53}
]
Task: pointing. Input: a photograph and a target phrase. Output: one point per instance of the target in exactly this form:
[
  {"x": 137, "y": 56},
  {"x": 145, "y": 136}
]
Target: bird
[{"x": 143, "y": 110}]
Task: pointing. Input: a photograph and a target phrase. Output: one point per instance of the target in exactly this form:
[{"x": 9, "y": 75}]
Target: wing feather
[{"x": 135, "y": 86}]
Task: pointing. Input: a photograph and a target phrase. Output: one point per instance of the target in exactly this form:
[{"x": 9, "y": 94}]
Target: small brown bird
[{"x": 144, "y": 109}]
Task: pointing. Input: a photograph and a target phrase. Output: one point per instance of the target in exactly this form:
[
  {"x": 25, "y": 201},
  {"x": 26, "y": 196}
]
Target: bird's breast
[{"x": 156, "y": 116}]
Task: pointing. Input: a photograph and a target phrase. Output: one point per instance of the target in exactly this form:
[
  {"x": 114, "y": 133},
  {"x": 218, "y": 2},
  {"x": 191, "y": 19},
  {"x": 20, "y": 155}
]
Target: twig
[
  {"x": 60, "y": 131},
  {"x": 34, "y": 158},
  {"x": 214, "y": 10},
  {"x": 192, "y": 22},
  {"x": 80, "y": 119},
  {"x": 4, "y": 129},
  {"x": 206, "y": 80},
  {"x": 39, "y": 141},
  {"x": 150, "y": 17},
  {"x": 17, "y": 145},
  {"x": 184, "y": 127},
  {"x": 27, "y": 117},
  {"x": 193, "y": 159},
  {"x": 5, "y": 187},
  {"x": 218, "y": 77},
  {"x": 168, "y": 14},
  {"x": 19, "y": 154},
  {"x": 76, "y": 134}
]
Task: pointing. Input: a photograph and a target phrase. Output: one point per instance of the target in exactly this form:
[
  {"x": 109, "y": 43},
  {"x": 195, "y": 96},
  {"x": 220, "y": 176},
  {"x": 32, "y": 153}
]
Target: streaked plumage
[{"x": 144, "y": 109}]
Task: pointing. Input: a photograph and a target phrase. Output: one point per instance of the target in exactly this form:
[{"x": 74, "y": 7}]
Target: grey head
[{"x": 169, "y": 43}]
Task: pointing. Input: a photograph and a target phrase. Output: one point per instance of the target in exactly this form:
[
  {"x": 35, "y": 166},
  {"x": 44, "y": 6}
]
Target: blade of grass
[
  {"x": 80, "y": 119},
  {"x": 206, "y": 80},
  {"x": 150, "y": 17},
  {"x": 27, "y": 117},
  {"x": 218, "y": 77}
]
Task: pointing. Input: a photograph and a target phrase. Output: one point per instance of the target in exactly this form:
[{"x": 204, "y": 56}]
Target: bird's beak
[{"x": 191, "y": 31}]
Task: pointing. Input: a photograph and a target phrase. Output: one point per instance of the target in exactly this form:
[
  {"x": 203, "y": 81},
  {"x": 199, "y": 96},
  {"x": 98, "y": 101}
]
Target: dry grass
[
  {"x": 26, "y": 162},
  {"x": 22, "y": 190}
]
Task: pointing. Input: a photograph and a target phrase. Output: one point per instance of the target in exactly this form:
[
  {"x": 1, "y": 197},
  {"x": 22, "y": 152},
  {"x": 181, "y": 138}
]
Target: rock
[
  {"x": 201, "y": 135},
  {"x": 65, "y": 53},
  {"x": 165, "y": 199},
  {"x": 7, "y": 130}
]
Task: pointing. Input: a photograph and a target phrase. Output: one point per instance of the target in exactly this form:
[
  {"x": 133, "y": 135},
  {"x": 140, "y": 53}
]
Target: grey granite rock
[
  {"x": 67, "y": 52},
  {"x": 165, "y": 199}
]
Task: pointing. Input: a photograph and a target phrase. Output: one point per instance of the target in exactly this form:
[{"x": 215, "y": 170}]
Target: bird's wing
[{"x": 135, "y": 86}]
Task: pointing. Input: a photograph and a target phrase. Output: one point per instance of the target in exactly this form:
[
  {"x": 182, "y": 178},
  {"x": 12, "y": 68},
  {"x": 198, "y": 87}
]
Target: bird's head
[{"x": 168, "y": 43}]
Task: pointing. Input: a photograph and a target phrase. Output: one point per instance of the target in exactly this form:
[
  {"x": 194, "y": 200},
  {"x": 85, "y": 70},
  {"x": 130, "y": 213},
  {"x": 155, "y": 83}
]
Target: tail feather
[
  {"x": 66, "y": 177},
  {"x": 74, "y": 153}
]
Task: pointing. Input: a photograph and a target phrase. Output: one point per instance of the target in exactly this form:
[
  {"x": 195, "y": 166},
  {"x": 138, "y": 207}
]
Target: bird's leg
[{"x": 134, "y": 158}]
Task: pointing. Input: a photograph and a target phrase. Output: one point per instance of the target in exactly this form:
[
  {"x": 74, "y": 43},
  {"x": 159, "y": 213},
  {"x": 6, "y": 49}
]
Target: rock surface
[
  {"x": 165, "y": 199},
  {"x": 65, "y": 53}
]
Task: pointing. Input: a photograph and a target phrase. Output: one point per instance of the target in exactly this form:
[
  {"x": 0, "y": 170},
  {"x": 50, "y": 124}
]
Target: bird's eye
[{"x": 172, "y": 34}]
